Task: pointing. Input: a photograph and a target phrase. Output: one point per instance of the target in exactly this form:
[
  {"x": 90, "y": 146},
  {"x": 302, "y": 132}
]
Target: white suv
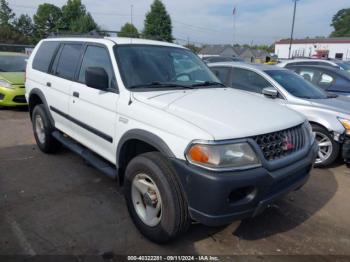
[{"x": 153, "y": 116}]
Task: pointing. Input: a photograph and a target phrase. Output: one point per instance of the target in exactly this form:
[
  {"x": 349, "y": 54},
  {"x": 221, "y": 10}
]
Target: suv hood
[
  {"x": 339, "y": 104},
  {"x": 224, "y": 113},
  {"x": 15, "y": 78}
]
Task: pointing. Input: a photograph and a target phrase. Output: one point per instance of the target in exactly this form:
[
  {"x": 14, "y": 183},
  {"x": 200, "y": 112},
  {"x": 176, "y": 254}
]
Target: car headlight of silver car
[
  {"x": 222, "y": 156},
  {"x": 310, "y": 132},
  {"x": 346, "y": 124},
  {"x": 4, "y": 83}
]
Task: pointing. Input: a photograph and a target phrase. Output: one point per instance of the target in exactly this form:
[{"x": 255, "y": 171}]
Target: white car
[
  {"x": 338, "y": 64},
  {"x": 183, "y": 146}
]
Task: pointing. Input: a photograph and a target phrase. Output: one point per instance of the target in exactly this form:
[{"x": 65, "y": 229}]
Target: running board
[{"x": 94, "y": 160}]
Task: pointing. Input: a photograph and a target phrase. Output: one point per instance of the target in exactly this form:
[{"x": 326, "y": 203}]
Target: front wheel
[
  {"x": 328, "y": 148},
  {"x": 155, "y": 199}
]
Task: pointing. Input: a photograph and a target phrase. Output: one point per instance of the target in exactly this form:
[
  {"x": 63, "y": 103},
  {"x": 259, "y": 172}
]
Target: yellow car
[{"x": 12, "y": 74}]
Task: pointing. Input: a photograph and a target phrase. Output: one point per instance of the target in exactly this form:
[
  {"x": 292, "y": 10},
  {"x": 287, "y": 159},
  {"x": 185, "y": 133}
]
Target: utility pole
[
  {"x": 291, "y": 35},
  {"x": 131, "y": 13}
]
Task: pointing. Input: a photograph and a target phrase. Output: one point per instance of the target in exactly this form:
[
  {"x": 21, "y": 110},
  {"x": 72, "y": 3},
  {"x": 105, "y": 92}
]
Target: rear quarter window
[{"x": 44, "y": 55}]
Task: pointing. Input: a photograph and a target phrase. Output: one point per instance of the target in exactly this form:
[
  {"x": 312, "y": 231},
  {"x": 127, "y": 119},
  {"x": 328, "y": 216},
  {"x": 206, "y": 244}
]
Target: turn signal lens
[
  {"x": 199, "y": 154},
  {"x": 222, "y": 156}
]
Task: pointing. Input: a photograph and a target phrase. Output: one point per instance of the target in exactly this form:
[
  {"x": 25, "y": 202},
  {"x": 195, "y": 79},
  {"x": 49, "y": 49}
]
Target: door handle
[
  {"x": 76, "y": 94},
  {"x": 48, "y": 84}
]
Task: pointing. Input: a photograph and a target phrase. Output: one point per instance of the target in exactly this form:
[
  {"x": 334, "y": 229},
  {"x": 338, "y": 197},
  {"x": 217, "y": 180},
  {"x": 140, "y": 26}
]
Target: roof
[
  {"x": 261, "y": 67},
  {"x": 334, "y": 40},
  {"x": 116, "y": 40},
  {"x": 290, "y": 61},
  {"x": 12, "y": 54},
  {"x": 214, "y": 49}
]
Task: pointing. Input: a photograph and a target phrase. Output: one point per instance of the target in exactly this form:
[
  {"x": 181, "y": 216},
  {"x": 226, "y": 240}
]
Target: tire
[
  {"x": 44, "y": 139},
  {"x": 322, "y": 133},
  {"x": 171, "y": 221}
]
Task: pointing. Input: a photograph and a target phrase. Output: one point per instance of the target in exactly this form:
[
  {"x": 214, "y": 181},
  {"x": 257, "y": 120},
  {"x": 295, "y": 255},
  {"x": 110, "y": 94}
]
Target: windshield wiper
[
  {"x": 209, "y": 83},
  {"x": 160, "y": 84}
]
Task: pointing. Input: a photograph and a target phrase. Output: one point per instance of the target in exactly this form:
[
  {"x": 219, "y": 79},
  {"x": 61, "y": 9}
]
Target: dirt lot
[{"x": 56, "y": 204}]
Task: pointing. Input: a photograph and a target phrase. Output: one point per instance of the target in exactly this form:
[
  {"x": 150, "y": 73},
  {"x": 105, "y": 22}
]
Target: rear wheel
[
  {"x": 328, "y": 148},
  {"x": 155, "y": 199},
  {"x": 43, "y": 130}
]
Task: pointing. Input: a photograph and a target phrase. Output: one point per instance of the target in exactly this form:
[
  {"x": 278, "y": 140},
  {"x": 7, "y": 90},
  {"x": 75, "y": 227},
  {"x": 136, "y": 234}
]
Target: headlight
[
  {"x": 311, "y": 133},
  {"x": 222, "y": 156},
  {"x": 346, "y": 125},
  {"x": 4, "y": 83}
]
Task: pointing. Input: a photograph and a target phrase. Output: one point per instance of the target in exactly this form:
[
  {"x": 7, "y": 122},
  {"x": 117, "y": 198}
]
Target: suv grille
[{"x": 282, "y": 143}]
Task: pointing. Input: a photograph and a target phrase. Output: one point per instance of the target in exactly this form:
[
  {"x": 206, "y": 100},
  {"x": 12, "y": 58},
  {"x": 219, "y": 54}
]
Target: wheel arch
[
  {"x": 135, "y": 142},
  {"x": 36, "y": 96}
]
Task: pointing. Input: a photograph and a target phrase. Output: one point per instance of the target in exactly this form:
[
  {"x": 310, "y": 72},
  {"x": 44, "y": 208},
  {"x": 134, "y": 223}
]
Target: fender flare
[
  {"x": 146, "y": 137},
  {"x": 40, "y": 94}
]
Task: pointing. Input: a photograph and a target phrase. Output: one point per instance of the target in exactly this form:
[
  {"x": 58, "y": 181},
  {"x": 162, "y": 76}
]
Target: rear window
[{"x": 44, "y": 56}]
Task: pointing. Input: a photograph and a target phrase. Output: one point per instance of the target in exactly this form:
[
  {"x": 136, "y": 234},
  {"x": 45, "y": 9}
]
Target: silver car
[{"x": 329, "y": 115}]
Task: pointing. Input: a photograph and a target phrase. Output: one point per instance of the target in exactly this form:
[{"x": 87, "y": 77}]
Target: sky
[{"x": 211, "y": 21}]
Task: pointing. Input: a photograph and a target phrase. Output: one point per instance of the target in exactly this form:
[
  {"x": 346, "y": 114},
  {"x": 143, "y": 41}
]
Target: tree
[
  {"x": 83, "y": 24},
  {"x": 128, "y": 30},
  {"x": 341, "y": 23},
  {"x": 72, "y": 12},
  {"x": 10, "y": 36},
  {"x": 75, "y": 18},
  {"x": 158, "y": 23},
  {"x": 6, "y": 14},
  {"x": 47, "y": 19},
  {"x": 24, "y": 25}
]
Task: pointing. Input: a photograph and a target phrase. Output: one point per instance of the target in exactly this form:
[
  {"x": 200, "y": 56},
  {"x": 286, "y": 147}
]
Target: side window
[
  {"x": 308, "y": 74},
  {"x": 222, "y": 73},
  {"x": 68, "y": 60},
  {"x": 96, "y": 56},
  {"x": 44, "y": 55},
  {"x": 325, "y": 80},
  {"x": 248, "y": 80}
]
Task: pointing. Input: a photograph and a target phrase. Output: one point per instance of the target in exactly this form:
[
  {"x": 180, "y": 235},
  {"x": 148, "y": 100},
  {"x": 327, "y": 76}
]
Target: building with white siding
[{"x": 332, "y": 47}]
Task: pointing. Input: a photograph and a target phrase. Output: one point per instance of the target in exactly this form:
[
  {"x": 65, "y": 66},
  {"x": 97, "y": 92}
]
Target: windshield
[
  {"x": 12, "y": 63},
  {"x": 149, "y": 66},
  {"x": 296, "y": 85}
]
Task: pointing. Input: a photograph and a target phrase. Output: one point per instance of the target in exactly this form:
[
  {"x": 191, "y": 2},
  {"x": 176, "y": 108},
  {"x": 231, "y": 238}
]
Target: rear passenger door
[
  {"x": 62, "y": 73},
  {"x": 92, "y": 111}
]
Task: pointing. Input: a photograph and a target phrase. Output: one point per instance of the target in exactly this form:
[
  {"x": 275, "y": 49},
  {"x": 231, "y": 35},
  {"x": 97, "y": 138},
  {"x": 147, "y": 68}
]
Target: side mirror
[
  {"x": 96, "y": 77},
  {"x": 270, "y": 92}
]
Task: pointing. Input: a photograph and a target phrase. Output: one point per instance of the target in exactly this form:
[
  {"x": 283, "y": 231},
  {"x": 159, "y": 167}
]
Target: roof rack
[{"x": 91, "y": 34}]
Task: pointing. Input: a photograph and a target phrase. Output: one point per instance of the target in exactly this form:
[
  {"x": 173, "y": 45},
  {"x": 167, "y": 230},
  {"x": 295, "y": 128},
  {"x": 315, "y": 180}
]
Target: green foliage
[
  {"x": 75, "y": 18},
  {"x": 9, "y": 35},
  {"x": 6, "y": 14},
  {"x": 83, "y": 24},
  {"x": 24, "y": 25},
  {"x": 158, "y": 23},
  {"x": 128, "y": 30},
  {"x": 341, "y": 23},
  {"x": 47, "y": 19}
]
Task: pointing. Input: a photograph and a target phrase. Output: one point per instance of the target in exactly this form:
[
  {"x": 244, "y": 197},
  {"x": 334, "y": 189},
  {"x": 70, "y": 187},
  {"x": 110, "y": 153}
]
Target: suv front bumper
[{"x": 218, "y": 198}]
